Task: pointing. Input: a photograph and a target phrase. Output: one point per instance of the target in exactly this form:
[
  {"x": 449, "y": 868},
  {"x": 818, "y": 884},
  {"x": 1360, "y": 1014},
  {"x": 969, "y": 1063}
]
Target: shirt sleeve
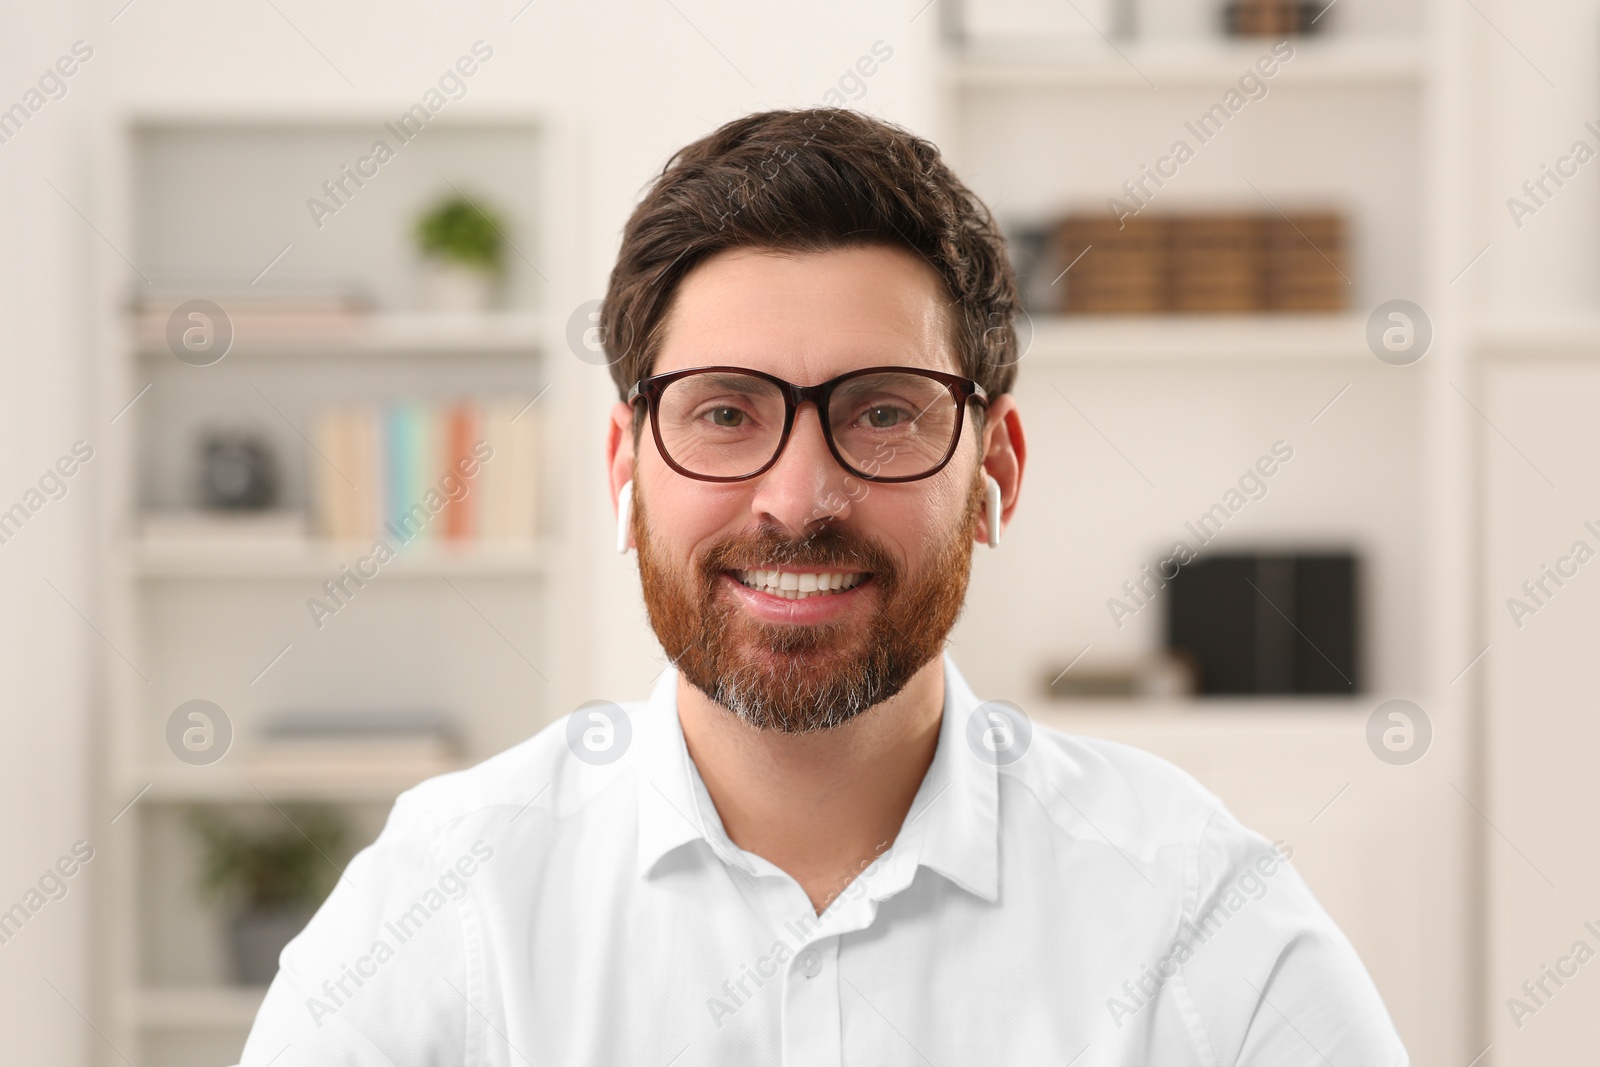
[
  {"x": 1273, "y": 979},
  {"x": 378, "y": 976}
]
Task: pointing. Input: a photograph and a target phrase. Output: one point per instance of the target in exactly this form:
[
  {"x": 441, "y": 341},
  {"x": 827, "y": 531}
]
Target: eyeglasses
[{"x": 884, "y": 424}]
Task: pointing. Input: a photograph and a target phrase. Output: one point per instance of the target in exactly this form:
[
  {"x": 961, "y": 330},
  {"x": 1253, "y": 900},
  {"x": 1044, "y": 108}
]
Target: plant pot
[
  {"x": 452, "y": 287},
  {"x": 256, "y": 938}
]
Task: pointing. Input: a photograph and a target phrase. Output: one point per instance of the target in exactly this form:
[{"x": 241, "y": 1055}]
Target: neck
[{"x": 818, "y": 806}]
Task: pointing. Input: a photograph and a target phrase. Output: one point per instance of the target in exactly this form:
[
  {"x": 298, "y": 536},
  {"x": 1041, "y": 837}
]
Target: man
[{"x": 812, "y": 843}]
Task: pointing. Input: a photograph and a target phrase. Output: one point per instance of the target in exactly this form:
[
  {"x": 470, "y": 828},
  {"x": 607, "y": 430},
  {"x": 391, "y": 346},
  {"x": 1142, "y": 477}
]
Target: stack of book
[
  {"x": 259, "y": 314},
  {"x": 353, "y": 747},
  {"x": 1273, "y": 18},
  {"x": 1303, "y": 263},
  {"x": 1215, "y": 263},
  {"x": 1202, "y": 263},
  {"x": 1123, "y": 271},
  {"x": 410, "y": 471}
]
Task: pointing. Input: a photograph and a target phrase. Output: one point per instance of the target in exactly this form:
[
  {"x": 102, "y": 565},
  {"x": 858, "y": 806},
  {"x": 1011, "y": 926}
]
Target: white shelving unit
[
  {"x": 1359, "y": 120},
  {"x": 474, "y": 628}
]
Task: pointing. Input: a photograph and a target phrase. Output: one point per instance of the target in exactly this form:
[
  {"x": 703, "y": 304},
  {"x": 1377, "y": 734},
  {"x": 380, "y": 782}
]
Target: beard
[{"x": 799, "y": 678}]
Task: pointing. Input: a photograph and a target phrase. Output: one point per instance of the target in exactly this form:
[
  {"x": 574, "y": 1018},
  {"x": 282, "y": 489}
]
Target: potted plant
[
  {"x": 463, "y": 248},
  {"x": 270, "y": 879}
]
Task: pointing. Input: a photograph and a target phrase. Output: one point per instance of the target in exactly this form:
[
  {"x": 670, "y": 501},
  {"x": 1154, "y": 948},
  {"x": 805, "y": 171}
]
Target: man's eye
[
  {"x": 884, "y": 416},
  {"x": 725, "y": 416}
]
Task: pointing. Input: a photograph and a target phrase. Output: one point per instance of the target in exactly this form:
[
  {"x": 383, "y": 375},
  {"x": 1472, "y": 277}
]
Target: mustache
[{"x": 829, "y": 546}]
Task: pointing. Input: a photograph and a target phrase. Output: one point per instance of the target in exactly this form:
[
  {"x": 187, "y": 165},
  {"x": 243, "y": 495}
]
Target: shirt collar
[{"x": 952, "y": 827}]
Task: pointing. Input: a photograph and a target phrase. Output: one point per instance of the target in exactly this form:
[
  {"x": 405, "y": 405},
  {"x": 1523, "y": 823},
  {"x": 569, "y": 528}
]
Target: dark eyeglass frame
[{"x": 962, "y": 389}]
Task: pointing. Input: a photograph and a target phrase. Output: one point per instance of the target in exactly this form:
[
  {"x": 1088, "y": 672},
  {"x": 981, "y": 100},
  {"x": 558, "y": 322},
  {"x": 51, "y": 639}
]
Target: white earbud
[
  {"x": 992, "y": 491},
  {"x": 624, "y": 515}
]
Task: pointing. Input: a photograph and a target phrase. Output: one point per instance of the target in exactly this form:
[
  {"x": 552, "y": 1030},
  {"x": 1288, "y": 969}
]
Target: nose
[{"x": 805, "y": 488}]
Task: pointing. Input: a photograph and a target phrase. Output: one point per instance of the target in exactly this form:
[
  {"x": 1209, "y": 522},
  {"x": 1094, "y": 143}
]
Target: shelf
[
  {"x": 1339, "y": 62},
  {"x": 1227, "y": 711},
  {"x": 193, "y": 558},
  {"x": 1207, "y": 339},
  {"x": 203, "y": 191},
  {"x": 233, "y": 779},
  {"x": 1557, "y": 336},
  {"x": 1333, "y": 723},
  {"x": 386, "y": 334},
  {"x": 192, "y": 1008}
]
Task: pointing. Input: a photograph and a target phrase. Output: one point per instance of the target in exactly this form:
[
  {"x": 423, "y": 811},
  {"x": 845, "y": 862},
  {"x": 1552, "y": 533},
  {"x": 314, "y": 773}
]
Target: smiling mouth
[{"x": 799, "y": 585}]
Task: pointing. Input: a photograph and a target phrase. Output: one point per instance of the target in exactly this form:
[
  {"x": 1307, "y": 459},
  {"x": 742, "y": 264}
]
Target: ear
[
  {"x": 619, "y": 452},
  {"x": 1005, "y": 451}
]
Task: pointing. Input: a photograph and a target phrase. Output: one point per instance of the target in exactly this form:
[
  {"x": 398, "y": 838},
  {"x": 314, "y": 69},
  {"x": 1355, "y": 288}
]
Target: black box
[{"x": 1267, "y": 623}]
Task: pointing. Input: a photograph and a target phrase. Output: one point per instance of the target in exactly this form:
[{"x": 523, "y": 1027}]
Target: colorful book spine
[
  {"x": 496, "y": 474},
  {"x": 424, "y": 470},
  {"x": 524, "y": 518},
  {"x": 397, "y": 471},
  {"x": 461, "y": 512},
  {"x": 330, "y": 512},
  {"x": 392, "y": 458},
  {"x": 367, "y": 470}
]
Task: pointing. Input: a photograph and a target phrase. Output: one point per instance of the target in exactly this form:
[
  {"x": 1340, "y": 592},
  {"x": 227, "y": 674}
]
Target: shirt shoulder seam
[
  {"x": 429, "y": 832},
  {"x": 1187, "y": 912}
]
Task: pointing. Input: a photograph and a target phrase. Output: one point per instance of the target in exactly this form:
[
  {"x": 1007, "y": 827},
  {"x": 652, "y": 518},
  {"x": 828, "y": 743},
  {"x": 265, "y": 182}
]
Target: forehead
[{"x": 810, "y": 316}]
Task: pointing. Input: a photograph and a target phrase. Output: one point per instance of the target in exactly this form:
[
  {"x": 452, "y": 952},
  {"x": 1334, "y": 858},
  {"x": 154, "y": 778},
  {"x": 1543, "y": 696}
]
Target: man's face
[{"x": 805, "y": 664}]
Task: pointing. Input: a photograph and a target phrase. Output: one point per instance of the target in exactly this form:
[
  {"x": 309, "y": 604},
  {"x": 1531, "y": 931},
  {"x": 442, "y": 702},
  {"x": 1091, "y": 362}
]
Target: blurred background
[{"x": 1310, "y": 361}]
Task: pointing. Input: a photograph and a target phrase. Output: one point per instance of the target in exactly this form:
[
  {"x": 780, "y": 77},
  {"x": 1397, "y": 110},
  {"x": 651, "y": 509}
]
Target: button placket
[{"x": 811, "y": 1025}]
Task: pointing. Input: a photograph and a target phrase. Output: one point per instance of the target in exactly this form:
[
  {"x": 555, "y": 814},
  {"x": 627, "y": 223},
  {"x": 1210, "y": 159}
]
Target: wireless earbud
[
  {"x": 992, "y": 492},
  {"x": 624, "y": 515}
]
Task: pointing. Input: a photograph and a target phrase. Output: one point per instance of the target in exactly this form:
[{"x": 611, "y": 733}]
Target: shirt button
[{"x": 810, "y": 964}]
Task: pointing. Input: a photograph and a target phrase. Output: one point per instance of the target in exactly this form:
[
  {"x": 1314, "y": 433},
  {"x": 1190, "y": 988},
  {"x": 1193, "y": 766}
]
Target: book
[
  {"x": 331, "y": 464},
  {"x": 366, "y": 469},
  {"x": 460, "y": 431},
  {"x": 375, "y": 467},
  {"x": 264, "y": 313},
  {"x": 351, "y": 746},
  {"x": 497, "y": 474}
]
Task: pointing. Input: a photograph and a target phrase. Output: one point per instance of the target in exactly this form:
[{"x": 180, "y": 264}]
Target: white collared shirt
[{"x": 1086, "y": 903}]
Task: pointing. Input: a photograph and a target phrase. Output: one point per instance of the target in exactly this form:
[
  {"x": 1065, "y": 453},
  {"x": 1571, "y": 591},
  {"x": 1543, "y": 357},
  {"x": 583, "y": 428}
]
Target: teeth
[{"x": 794, "y": 585}]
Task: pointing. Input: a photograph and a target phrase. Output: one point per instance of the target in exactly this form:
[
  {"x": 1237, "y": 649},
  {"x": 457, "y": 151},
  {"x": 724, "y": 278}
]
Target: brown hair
[{"x": 810, "y": 181}]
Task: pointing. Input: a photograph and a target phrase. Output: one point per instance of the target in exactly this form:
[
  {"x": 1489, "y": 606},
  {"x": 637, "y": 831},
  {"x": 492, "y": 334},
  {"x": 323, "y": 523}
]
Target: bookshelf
[
  {"x": 1154, "y": 409},
  {"x": 457, "y": 623},
  {"x": 1014, "y": 126}
]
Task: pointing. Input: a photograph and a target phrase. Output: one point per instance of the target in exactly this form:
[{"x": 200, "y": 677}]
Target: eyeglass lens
[{"x": 886, "y": 424}]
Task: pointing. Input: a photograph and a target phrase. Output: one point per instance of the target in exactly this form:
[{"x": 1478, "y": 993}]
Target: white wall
[
  {"x": 1538, "y": 489},
  {"x": 48, "y": 650}
]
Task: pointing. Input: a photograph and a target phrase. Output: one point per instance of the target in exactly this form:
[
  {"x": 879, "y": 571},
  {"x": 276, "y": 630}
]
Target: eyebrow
[{"x": 729, "y": 378}]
